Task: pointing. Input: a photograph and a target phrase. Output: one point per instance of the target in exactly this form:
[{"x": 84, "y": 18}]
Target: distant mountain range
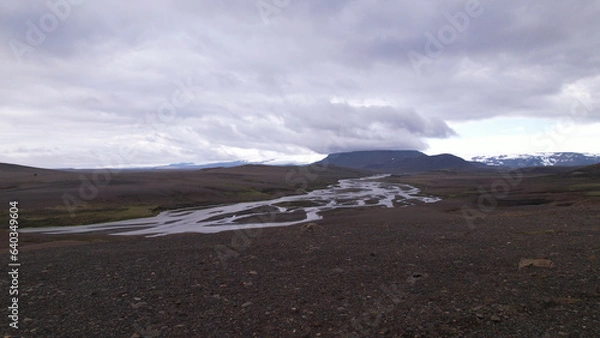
[
  {"x": 189, "y": 165},
  {"x": 539, "y": 160},
  {"x": 409, "y": 161},
  {"x": 398, "y": 161},
  {"x": 231, "y": 164}
]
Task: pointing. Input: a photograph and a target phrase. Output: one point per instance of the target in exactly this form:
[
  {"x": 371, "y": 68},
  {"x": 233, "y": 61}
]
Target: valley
[{"x": 502, "y": 252}]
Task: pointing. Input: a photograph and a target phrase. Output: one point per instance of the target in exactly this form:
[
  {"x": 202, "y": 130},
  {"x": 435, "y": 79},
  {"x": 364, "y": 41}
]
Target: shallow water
[{"x": 289, "y": 210}]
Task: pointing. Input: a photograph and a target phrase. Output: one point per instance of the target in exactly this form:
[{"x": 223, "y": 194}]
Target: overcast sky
[{"x": 129, "y": 83}]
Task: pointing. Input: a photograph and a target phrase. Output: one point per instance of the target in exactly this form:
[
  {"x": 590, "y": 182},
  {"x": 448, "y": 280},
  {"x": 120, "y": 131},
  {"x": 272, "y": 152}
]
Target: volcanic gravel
[{"x": 416, "y": 271}]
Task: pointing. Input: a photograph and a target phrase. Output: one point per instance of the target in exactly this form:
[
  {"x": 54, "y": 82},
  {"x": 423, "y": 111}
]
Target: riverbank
[{"x": 364, "y": 192}]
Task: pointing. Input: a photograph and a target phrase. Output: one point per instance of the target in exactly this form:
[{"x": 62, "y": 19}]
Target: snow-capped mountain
[{"x": 539, "y": 160}]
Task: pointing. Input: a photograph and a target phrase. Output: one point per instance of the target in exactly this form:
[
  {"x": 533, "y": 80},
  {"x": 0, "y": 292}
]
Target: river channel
[{"x": 372, "y": 191}]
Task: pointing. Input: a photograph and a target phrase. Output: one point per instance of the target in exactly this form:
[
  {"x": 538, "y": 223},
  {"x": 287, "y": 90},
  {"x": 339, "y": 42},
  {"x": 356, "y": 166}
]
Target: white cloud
[
  {"x": 320, "y": 77},
  {"x": 517, "y": 136}
]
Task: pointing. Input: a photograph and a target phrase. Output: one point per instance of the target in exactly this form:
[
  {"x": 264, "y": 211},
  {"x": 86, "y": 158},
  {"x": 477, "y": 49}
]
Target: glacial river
[{"x": 349, "y": 193}]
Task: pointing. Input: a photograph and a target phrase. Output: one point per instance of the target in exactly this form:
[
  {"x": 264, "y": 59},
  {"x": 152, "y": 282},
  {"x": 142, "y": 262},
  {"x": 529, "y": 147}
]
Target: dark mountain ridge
[{"x": 398, "y": 161}]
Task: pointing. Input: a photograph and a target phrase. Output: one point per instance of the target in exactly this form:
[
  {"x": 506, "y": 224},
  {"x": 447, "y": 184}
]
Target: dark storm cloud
[{"x": 202, "y": 80}]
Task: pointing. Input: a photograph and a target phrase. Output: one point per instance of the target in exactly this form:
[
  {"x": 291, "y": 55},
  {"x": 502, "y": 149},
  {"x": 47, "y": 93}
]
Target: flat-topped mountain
[{"x": 397, "y": 161}]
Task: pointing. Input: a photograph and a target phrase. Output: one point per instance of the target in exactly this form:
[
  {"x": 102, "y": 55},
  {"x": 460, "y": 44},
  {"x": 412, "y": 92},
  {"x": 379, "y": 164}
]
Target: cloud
[{"x": 318, "y": 77}]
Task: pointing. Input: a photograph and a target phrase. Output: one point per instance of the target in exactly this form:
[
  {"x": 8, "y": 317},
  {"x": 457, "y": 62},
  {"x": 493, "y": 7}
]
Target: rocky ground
[{"x": 403, "y": 272}]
